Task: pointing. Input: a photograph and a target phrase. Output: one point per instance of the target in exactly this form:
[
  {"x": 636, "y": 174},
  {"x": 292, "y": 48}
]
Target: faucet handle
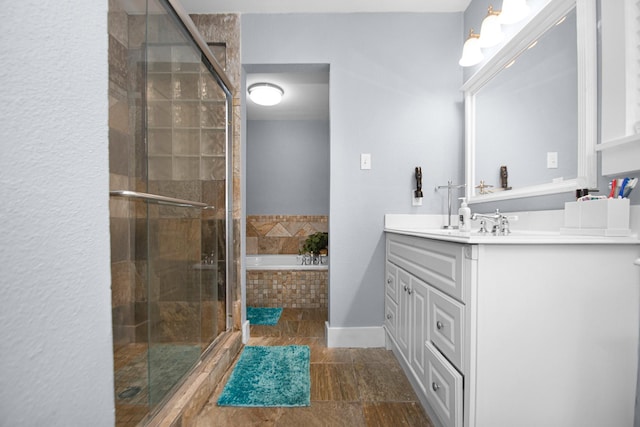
[{"x": 504, "y": 226}]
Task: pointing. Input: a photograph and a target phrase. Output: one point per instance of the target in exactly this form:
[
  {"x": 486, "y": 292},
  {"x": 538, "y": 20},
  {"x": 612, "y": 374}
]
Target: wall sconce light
[
  {"x": 491, "y": 32},
  {"x": 471, "y": 53},
  {"x": 513, "y": 11},
  {"x": 266, "y": 94}
]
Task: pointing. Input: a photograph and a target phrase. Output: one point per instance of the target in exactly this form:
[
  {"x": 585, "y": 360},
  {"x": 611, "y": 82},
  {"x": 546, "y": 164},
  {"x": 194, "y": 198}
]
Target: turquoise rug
[
  {"x": 263, "y": 315},
  {"x": 269, "y": 376}
]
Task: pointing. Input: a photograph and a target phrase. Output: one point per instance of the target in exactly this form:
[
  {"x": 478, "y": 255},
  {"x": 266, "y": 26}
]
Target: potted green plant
[{"x": 316, "y": 243}]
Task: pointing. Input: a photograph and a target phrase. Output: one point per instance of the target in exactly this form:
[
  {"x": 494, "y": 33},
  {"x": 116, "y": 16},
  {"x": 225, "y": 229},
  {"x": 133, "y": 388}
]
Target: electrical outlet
[
  {"x": 365, "y": 161},
  {"x": 552, "y": 160}
]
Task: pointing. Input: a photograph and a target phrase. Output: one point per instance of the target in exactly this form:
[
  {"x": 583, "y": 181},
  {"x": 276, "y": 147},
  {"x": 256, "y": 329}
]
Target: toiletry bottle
[{"x": 464, "y": 215}]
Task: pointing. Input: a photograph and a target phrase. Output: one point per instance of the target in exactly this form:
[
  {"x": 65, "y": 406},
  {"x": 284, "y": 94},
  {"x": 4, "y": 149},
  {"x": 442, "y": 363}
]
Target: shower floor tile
[{"x": 133, "y": 393}]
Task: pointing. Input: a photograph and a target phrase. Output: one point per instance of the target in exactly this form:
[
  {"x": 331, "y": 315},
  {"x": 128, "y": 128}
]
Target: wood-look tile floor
[{"x": 349, "y": 386}]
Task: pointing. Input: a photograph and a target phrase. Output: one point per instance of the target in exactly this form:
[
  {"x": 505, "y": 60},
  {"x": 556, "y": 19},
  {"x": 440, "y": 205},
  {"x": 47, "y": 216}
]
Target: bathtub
[
  {"x": 282, "y": 281},
  {"x": 281, "y": 262}
]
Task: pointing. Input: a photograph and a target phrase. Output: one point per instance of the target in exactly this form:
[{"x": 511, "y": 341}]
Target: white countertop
[
  {"x": 516, "y": 237},
  {"x": 542, "y": 227}
]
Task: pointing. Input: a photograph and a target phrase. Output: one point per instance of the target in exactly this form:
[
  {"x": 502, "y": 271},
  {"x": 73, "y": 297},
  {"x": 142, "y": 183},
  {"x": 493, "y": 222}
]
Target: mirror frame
[{"x": 548, "y": 16}]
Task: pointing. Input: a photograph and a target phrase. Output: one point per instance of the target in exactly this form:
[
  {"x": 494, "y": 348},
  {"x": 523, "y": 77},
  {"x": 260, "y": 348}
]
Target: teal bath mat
[
  {"x": 263, "y": 315},
  {"x": 269, "y": 376}
]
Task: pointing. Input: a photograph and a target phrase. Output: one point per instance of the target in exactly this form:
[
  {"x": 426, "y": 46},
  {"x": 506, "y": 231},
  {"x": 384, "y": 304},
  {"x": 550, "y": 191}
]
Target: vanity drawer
[
  {"x": 390, "y": 282},
  {"x": 446, "y": 326},
  {"x": 390, "y": 316},
  {"x": 439, "y": 264},
  {"x": 444, "y": 388}
]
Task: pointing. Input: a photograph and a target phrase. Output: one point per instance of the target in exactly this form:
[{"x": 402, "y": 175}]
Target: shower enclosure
[{"x": 169, "y": 145}]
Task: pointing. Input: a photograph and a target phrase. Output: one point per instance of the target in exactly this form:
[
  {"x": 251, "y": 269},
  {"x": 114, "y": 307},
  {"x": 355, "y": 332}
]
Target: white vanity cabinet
[
  {"x": 526, "y": 334},
  {"x": 406, "y": 315}
]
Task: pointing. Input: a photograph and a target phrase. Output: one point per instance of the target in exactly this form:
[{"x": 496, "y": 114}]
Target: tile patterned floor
[{"x": 349, "y": 387}]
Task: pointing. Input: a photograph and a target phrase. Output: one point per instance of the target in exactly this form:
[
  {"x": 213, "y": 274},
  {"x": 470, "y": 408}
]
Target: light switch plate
[
  {"x": 365, "y": 161},
  {"x": 415, "y": 201}
]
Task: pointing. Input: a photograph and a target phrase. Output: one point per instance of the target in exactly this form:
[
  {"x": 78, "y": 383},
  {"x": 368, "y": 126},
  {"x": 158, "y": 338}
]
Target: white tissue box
[{"x": 602, "y": 217}]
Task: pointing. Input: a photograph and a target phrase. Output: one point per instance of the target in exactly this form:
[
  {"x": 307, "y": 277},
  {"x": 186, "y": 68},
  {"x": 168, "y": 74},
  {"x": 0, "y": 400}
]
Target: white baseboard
[
  {"x": 361, "y": 337},
  {"x": 246, "y": 334}
]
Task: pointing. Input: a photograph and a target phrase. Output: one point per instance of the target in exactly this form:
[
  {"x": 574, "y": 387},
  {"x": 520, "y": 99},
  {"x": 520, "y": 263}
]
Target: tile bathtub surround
[
  {"x": 290, "y": 289},
  {"x": 282, "y": 234}
]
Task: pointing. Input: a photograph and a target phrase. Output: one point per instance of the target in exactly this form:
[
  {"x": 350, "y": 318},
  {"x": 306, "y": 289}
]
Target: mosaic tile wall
[
  {"x": 281, "y": 234},
  {"x": 288, "y": 289}
]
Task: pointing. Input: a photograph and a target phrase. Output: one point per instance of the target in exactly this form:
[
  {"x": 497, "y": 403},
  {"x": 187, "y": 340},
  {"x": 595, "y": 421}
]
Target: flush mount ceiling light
[
  {"x": 491, "y": 32},
  {"x": 266, "y": 94},
  {"x": 471, "y": 53},
  {"x": 513, "y": 11}
]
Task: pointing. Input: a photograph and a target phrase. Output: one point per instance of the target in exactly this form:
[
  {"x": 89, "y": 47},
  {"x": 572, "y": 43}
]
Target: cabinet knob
[
  {"x": 410, "y": 291},
  {"x": 439, "y": 325},
  {"x": 389, "y": 316},
  {"x": 405, "y": 288},
  {"x": 389, "y": 281},
  {"x": 435, "y": 386}
]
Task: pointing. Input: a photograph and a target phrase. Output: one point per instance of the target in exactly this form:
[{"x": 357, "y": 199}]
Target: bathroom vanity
[{"x": 532, "y": 329}]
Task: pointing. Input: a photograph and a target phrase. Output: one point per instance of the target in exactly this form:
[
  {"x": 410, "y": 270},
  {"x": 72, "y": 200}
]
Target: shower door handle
[{"x": 161, "y": 200}]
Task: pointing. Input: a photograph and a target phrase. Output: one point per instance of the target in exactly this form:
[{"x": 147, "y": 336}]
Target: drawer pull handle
[
  {"x": 435, "y": 386},
  {"x": 439, "y": 325},
  {"x": 389, "y": 316},
  {"x": 389, "y": 280}
]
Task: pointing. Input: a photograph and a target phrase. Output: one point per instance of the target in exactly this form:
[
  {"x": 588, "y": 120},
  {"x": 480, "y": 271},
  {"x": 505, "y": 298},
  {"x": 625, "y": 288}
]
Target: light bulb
[
  {"x": 513, "y": 11},
  {"x": 471, "y": 53},
  {"x": 266, "y": 94}
]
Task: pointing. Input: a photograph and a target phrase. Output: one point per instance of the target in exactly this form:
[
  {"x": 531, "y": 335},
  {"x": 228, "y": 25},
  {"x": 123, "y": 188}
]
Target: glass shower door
[
  {"x": 169, "y": 165},
  {"x": 186, "y": 118}
]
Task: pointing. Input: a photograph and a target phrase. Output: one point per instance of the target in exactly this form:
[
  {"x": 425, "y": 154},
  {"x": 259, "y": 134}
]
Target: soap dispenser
[{"x": 464, "y": 215}]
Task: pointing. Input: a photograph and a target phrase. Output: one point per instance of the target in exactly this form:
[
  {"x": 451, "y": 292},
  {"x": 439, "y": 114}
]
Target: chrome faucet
[
  {"x": 450, "y": 186},
  {"x": 500, "y": 223}
]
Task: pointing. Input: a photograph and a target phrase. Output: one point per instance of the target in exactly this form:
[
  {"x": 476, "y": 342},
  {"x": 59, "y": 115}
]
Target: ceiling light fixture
[
  {"x": 491, "y": 32},
  {"x": 471, "y": 53},
  {"x": 513, "y": 11},
  {"x": 266, "y": 94}
]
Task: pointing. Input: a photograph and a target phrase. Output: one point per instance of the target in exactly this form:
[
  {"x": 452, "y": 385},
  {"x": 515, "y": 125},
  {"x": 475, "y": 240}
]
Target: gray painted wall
[
  {"x": 287, "y": 170},
  {"x": 55, "y": 296},
  {"x": 395, "y": 94}
]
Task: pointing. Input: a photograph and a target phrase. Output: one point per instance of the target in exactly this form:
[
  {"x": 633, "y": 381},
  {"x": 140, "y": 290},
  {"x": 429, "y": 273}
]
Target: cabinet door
[
  {"x": 391, "y": 317},
  {"x": 419, "y": 323},
  {"x": 444, "y": 388},
  {"x": 446, "y": 326},
  {"x": 404, "y": 324},
  {"x": 391, "y": 284}
]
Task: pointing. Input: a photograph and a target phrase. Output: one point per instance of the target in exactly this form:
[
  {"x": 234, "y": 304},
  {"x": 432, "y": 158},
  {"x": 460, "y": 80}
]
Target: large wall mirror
[{"x": 533, "y": 101}]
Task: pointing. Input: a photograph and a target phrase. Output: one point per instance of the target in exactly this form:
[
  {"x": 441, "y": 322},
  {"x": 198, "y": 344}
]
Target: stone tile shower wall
[
  {"x": 222, "y": 34},
  {"x": 187, "y": 147},
  {"x": 284, "y": 234},
  {"x": 127, "y": 275}
]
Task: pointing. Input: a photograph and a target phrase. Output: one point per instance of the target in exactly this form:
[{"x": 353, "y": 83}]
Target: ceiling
[
  {"x": 306, "y": 91},
  {"x": 306, "y": 88},
  {"x": 322, "y": 6}
]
